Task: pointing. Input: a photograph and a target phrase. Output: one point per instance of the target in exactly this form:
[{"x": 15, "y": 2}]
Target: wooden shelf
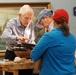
[
  {"x": 25, "y": 54},
  {"x": 2, "y": 53}
]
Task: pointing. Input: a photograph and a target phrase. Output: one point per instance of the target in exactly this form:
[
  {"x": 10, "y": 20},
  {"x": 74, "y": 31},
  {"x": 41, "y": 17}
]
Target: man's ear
[{"x": 19, "y": 15}]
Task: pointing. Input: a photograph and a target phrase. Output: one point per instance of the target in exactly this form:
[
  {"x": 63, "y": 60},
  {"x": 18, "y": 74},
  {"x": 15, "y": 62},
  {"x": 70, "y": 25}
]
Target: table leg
[
  {"x": 1, "y": 72},
  {"x": 15, "y": 72}
]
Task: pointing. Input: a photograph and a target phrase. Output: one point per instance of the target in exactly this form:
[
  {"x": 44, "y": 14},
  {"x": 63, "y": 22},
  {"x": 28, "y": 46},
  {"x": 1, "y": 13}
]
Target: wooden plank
[
  {"x": 2, "y": 53},
  {"x": 15, "y": 72},
  {"x": 1, "y": 72},
  {"x": 27, "y": 64},
  {"x": 13, "y": 67}
]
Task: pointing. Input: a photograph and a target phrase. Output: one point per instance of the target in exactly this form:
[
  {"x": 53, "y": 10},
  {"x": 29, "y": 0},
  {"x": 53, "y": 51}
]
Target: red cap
[{"x": 60, "y": 13}]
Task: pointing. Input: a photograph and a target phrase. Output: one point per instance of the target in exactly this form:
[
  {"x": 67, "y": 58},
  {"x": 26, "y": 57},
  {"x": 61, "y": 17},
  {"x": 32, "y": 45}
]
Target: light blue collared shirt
[{"x": 14, "y": 29}]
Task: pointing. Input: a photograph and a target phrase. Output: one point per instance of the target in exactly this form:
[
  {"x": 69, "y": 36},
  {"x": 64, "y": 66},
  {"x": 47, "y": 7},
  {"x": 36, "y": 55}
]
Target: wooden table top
[{"x": 11, "y": 65}]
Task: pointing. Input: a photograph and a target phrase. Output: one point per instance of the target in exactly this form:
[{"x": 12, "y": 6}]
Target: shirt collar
[
  {"x": 18, "y": 23},
  {"x": 51, "y": 26}
]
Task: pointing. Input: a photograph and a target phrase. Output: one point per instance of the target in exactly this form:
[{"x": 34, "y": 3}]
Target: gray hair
[{"x": 25, "y": 8}]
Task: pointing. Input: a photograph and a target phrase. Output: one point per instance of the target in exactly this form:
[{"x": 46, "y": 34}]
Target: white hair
[{"x": 25, "y": 8}]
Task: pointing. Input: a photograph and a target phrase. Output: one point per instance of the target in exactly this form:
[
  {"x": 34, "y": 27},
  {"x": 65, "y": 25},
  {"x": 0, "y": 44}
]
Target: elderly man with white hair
[{"x": 18, "y": 30}]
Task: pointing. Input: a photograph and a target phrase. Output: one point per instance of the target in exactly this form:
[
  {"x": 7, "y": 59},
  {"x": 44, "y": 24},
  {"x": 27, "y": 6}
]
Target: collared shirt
[
  {"x": 14, "y": 29},
  {"x": 49, "y": 28}
]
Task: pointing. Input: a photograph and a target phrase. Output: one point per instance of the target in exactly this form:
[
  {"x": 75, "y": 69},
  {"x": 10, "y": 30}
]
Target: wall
[{"x": 66, "y": 4}]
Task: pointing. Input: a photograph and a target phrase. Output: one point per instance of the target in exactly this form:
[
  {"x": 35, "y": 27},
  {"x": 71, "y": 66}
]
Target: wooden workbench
[{"x": 14, "y": 67}]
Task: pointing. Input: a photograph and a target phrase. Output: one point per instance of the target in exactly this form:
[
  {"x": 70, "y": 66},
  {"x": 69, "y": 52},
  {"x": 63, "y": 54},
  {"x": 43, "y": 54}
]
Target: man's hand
[{"x": 22, "y": 38}]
